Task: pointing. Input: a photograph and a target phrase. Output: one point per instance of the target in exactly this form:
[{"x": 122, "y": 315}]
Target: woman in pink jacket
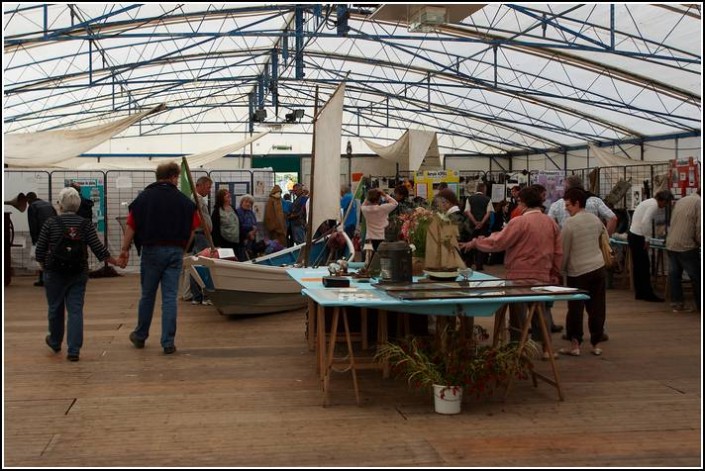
[{"x": 533, "y": 249}]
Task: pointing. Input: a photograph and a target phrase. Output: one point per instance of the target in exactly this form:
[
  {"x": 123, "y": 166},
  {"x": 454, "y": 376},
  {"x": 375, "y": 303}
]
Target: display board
[
  {"x": 426, "y": 182},
  {"x": 683, "y": 177}
]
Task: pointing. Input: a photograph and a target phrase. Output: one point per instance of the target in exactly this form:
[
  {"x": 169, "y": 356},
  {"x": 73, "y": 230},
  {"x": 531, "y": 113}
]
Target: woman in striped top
[{"x": 67, "y": 289}]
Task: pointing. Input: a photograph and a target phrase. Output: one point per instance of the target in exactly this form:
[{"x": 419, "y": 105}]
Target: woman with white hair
[
  {"x": 66, "y": 276},
  {"x": 248, "y": 227}
]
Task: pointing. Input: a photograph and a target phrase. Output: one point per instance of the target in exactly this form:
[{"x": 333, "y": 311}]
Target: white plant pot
[{"x": 447, "y": 399}]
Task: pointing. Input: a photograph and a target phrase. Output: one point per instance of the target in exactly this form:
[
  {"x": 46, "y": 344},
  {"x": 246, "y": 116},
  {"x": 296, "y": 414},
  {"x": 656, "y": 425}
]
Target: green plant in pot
[{"x": 455, "y": 361}]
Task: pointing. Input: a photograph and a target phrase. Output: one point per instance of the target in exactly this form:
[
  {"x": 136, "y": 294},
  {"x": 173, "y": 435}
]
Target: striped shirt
[
  {"x": 593, "y": 205},
  {"x": 684, "y": 232},
  {"x": 51, "y": 234}
]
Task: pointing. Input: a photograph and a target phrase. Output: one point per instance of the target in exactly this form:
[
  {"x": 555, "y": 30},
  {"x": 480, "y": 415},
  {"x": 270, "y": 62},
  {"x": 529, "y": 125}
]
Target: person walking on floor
[
  {"x": 161, "y": 221},
  {"x": 683, "y": 245},
  {"x": 585, "y": 269},
  {"x": 38, "y": 212},
  {"x": 641, "y": 228},
  {"x": 65, "y": 283}
]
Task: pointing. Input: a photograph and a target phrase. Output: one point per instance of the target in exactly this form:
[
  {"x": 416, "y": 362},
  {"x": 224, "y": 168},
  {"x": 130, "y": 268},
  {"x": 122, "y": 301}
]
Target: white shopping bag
[{"x": 33, "y": 264}]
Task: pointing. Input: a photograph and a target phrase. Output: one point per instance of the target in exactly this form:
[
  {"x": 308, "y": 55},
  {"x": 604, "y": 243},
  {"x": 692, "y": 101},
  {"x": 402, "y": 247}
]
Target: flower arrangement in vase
[{"x": 414, "y": 227}]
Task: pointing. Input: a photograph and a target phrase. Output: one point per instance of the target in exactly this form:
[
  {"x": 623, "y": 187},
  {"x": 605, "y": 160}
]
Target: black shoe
[
  {"x": 39, "y": 283},
  {"x": 135, "y": 341},
  {"x": 555, "y": 328},
  {"x": 169, "y": 350},
  {"x": 54, "y": 349},
  {"x": 72, "y": 357}
]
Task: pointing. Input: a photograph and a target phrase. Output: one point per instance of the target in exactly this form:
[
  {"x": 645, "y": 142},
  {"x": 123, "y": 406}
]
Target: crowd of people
[{"x": 556, "y": 245}]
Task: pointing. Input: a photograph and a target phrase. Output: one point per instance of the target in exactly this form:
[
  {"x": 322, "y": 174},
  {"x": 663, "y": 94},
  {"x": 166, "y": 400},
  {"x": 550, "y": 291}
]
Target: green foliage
[{"x": 453, "y": 360}]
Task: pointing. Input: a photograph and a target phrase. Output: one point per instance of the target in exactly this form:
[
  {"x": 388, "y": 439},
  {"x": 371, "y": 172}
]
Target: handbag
[{"x": 606, "y": 248}]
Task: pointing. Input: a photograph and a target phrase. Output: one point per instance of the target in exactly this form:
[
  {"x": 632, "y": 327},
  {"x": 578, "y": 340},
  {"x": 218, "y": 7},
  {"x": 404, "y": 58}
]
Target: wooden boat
[
  {"x": 261, "y": 285},
  {"x": 258, "y": 286}
]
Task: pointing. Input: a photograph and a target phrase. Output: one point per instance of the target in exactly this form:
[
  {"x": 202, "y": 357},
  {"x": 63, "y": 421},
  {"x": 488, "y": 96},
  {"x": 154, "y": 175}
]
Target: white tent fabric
[
  {"x": 136, "y": 163},
  {"x": 49, "y": 148},
  {"x": 326, "y": 165},
  {"x": 607, "y": 159},
  {"x": 414, "y": 150}
]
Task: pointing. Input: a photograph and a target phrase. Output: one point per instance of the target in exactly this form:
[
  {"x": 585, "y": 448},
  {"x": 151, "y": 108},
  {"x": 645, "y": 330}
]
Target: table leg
[
  {"x": 330, "y": 355},
  {"x": 537, "y": 309},
  {"x": 382, "y": 338},
  {"x": 311, "y": 331},
  {"x": 321, "y": 341},
  {"x": 499, "y": 334},
  {"x": 351, "y": 356},
  {"x": 363, "y": 328},
  {"x": 546, "y": 335}
]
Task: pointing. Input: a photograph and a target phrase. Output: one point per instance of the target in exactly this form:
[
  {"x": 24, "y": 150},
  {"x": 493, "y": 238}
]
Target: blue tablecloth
[{"x": 362, "y": 294}]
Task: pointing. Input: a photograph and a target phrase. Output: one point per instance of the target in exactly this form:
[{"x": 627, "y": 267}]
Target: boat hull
[
  {"x": 247, "y": 288},
  {"x": 237, "y": 288}
]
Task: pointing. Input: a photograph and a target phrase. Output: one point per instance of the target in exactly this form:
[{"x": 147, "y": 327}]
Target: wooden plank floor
[{"x": 244, "y": 392}]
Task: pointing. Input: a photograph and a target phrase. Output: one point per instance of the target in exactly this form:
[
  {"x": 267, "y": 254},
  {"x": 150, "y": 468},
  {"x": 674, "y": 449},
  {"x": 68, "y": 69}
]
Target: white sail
[
  {"x": 326, "y": 176},
  {"x": 194, "y": 160},
  {"x": 50, "y": 148},
  {"x": 415, "y": 150}
]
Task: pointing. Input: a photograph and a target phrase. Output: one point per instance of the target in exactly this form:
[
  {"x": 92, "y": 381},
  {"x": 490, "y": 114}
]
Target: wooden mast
[
  {"x": 309, "y": 221},
  {"x": 204, "y": 226}
]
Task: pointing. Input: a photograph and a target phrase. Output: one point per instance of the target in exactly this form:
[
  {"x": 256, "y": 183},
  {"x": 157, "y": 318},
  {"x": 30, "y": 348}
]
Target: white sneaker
[
  {"x": 680, "y": 307},
  {"x": 194, "y": 302},
  {"x": 207, "y": 302}
]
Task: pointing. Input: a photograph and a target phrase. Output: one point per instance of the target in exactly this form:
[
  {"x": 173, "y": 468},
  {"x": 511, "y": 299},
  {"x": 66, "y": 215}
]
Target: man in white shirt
[{"x": 639, "y": 230}]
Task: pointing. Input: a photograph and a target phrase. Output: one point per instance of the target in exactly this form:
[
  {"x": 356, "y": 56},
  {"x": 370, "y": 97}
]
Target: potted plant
[{"x": 452, "y": 363}]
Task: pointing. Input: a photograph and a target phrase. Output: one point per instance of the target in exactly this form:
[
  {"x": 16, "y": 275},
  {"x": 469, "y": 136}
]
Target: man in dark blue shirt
[{"x": 38, "y": 212}]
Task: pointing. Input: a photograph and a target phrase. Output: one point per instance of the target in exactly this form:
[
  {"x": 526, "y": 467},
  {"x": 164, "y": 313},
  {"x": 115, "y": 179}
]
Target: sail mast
[{"x": 309, "y": 222}]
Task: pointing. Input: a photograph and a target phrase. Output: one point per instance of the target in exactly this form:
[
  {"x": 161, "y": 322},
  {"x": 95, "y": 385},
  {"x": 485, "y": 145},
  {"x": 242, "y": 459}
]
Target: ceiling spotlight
[
  {"x": 294, "y": 117},
  {"x": 259, "y": 116}
]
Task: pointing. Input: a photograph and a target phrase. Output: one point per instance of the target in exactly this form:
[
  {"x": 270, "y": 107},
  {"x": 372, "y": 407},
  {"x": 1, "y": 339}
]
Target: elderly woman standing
[
  {"x": 65, "y": 288},
  {"x": 226, "y": 226},
  {"x": 248, "y": 227},
  {"x": 274, "y": 216},
  {"x": 585, "y": 269}
]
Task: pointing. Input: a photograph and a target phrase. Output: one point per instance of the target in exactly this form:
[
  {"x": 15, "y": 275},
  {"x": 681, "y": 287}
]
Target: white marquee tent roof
[{"x": 507, "y": 79}]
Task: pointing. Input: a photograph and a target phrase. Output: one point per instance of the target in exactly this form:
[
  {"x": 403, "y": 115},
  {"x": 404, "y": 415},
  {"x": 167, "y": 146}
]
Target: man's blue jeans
[
  {"x": 159, "y": 265},
  {"x": 65, "y": 290},
  {"x": 690, "y": 262}
]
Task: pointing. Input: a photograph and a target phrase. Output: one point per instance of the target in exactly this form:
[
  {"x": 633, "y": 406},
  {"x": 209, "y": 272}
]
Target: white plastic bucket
[{"x": 447, "y": 399}]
